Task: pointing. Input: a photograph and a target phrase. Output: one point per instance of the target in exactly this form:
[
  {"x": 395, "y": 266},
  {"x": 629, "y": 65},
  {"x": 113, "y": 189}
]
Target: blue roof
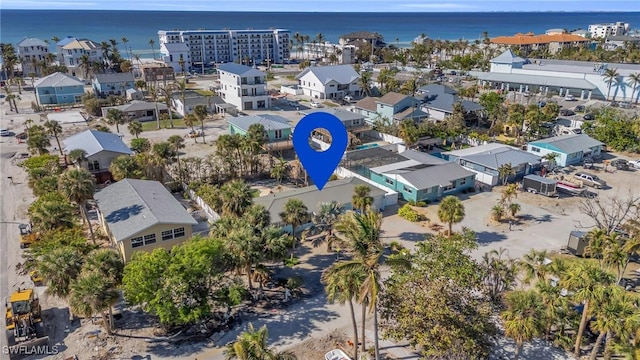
[
  {"x": 94, "y": 141},
  {"x": 569, "y": 144}
]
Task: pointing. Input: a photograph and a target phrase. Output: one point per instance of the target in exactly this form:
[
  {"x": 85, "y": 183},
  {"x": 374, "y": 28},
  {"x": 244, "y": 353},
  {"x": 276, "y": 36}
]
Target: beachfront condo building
[
  {"x": 605, "y": 30},
  {"x": 32, "y": 53},
  {"x": 248, "y": 47},
  {"x": 327, "y": 52},
  {"x": 243, "y": 86}
]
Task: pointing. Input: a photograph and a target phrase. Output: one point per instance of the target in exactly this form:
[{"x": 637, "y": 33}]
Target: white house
[
  {"x": 73, "y": 53},
  {"x": 193, "y": 99},
  {"x": 176, "y": 55},
  {"x": 329, "y": 82},
  {"x": 32, "y": 52},
  {"x": 243, "y": 86},
  {"x": 61, "y": 43}
]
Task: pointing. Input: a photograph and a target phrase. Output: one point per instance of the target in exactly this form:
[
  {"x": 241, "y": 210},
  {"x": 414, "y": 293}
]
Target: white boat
[{"x": 336, "y": 354}]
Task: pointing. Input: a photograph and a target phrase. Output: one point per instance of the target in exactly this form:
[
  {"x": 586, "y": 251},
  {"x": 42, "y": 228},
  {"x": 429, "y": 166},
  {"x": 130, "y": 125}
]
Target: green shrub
[
  {"x": 421, "y": 204},
  {"x": 406, "y": 212},
  {"x": 333, "y": 177},
  {"x": 291, "y": 261}
]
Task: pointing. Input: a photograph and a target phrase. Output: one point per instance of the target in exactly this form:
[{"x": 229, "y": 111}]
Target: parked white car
[
  {"x": 569, "y": 98},
  {"x": 5, "y": 132},
  {"x": 635, "y": 163},
  {"x": 315, "y": 104}
]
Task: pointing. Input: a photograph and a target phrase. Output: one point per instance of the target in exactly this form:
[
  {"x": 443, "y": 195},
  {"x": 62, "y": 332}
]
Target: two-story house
[
  {"x": 176, "y": 55},
  {"x": 329, "y": 82},
  {"x": 278, "y": 130},
  {"x": 112, "y": 83},
  {"x": 59, "y": 45},
  {"x": 59, "y": 88},
  {"x": 243, "y": 86},
  {"x": 32, "y": 52},
  {"x": 100, "y": 149},
  {"x": 184, "y": 105},
  {"x": 79, "y": 55},
  {"x": 439, "y": 101},
  {"x": 392, "y": 107}
]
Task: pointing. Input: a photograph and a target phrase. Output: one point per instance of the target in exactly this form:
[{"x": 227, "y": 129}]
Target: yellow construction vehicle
[
  {"x": 23, "y": 317},
  {"x": 27, "y": 236}
]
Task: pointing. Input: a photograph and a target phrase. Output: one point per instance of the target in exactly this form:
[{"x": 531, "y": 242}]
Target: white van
[{"x": 348, "y": 98}]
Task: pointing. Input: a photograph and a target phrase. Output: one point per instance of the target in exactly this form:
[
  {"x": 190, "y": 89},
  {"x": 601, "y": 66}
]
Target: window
[
  {"x": 277, "y": 134},
  {"x": 388, "y": 181},
  {"x": 179, "y": 232},
  {"x": 408, "y": 190},
  {"x": 535, "y": 149},
  {"x": 167, "y": 235},
  {"x": 462, "y": 181},
  {"x": 136, "y": 242},
  {"x": 93, "y": 165},
  {"x": 149, "y": 239},
  {"x": 172, "y": 234},
  {"x": 448, "y": 187}
]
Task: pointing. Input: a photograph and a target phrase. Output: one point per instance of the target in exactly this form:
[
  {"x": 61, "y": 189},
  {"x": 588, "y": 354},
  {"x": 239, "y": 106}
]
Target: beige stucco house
[{"x": 142, "y": 215}]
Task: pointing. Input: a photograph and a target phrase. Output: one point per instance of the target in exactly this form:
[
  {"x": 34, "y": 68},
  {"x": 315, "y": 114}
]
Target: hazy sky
[{"x": 331, "y": 5}]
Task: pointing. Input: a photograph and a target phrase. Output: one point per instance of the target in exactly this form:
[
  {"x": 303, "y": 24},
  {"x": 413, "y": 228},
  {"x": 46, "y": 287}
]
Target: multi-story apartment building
[
  {"x": 530, "y": 42},
  {"x": 220, "y": 46},
  {"x": 73, "y": 56},
  {"x": 333, "y": 53},
  {"x": 32, "y": 52},
  {"x": 605, "y": 30},
  {"x": 243, "y": 86}
]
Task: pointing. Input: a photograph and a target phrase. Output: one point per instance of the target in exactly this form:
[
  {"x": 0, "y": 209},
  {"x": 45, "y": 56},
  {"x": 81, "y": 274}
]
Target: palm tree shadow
[{"x": 123, "y": 214}]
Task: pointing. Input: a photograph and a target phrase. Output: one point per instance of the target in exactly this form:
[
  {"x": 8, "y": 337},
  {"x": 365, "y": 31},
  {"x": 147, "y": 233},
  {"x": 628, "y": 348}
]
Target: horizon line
[{"x": 347, "y": 12}]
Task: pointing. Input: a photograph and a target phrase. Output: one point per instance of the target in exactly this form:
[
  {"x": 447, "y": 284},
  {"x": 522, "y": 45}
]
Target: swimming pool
[{"x": 366, "y": 146}]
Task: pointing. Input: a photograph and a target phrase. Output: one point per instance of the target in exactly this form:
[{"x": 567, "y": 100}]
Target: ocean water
[{"x": 397, "y": 28}]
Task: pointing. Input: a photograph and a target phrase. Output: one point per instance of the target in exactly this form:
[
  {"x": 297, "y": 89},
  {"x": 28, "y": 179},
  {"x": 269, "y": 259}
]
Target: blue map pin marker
[{"x": 320, "y": 164}]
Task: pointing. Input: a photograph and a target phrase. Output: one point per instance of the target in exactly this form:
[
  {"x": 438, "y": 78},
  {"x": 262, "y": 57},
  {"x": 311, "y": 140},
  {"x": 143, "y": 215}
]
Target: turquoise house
[
  {"x": 278, "y": 128},
  {"x": 414, "y": 175},
  {"x": 571, "y": 149},
  {"x": 59, "y": 89}
]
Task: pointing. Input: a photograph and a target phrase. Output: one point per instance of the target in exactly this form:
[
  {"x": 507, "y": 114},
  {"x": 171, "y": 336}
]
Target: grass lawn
[
  {"x": 291, "y": 77},
  {"x": 164, "y": 124},
  {"x": 329, "y": 104},
  {"x": 205, "y": 92}
]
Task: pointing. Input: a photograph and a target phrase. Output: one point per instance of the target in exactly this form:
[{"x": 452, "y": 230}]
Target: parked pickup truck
[
  {"x": 620, "y": 164},
  {"x": 590, "y": 180}
]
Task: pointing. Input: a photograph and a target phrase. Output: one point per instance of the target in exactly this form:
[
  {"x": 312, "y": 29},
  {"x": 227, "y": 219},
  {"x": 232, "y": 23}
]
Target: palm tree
[
  {"x": 124, "y": 42},
  {"x": 252, "y": 345},
  {"x": 597, "y": 243},
  {"x": 168, "y": 93},
  {"x": 279, "y": 170},
  {"x": 177, "y": 143},
  {"x": 237, "y": 198},
  {"x": 200, "y": 111},
  {"x": 362, "y": 234},
  {"x": 59, "y": 268},
  {"x": 295, "y": 213},
  {"x": 344, "y": 288},
  {"x": 451, "y": 211},
  {"x": 633, "y": 82},
  {"x": 78, "y": 185},
  {"x": 116, "y": 116},
  {"x": 610, "y": 76},
  {"x": 361, "y": 200},
  {"x": 53, "y": 128},
  {"x": 77, "y": 156},
  {"x": 365, "y": 83},
  {"x": 535, "y": 266},
  {"x": 504, "y": 171},
  {"x": 190, "y": 121},
  {"x": 84, "y": 62},
  {"x": 326, "y": 218},
  {"x": 135, "y": 128},
  {"x": 551, "y": 158},
  {"x": 514, "y": 208},
  {"x": 524, "y": 317},
  {"x": 615, "y": 255},
  {"x": 587, "y": 281},
  {"x": 612, "y": 309},
  {"x": 153, "y": 50},
  {"x": 93, "y": 293}
]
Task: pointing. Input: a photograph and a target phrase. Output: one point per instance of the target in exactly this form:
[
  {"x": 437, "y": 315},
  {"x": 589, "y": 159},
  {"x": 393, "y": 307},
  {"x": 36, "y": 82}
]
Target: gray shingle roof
[
  {"x": 540, "y": 80},
  {"x": 410, "y": 113},
  {"x": 506, "y": 155},
  {"x": 445, "y": 102},
  {"x": 58, "y": 80},
  {"x": 368, "y": 103},
  {"x": 391, "y": 98},
  {"x": 131, "y": 206},
  {"x": 570, "y": 144},
  {"x": 114, "y": 77},
  {"x": 476, "y": 150},
  {"x": 240, "y": 70},
  {"x": 27, "y": 41},
  {"x": 337, "y": 190},
  {"x": 341, "y": 114},
  {"x": 93, "y": 141},
  {"x": 435, "y": 89},
  {"x": 342, "y": 74},
  {"x": 137, "y": 105},
  {"x": 437, "y": 175},
  {"x": 507, "y": 57},
  {"x": 270, "y": 122}
]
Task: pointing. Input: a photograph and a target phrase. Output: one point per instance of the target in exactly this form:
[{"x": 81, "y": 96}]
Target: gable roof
[
  {"x": 368, "y": 103},
  {"x": 445, "y": 102},
  {"x": 508, "y": 57},
  {"x": 505, "y": 155},
  {"x": 84, "y": 44},
  {"x": 67, "y": 39},
  {"x": 410, "y": 113},
  {"x": 58, "y": 79},
  {"x": 571, "y": 143},
  {"x": 137, "y": 105},
  {"x": 391, "y": 98},
  {"x": 270, "y": 122},
  {"x": 27, "y": 41},
  {"x": 131, "y": 206},
  {"x": 94, "y": 141},
  {"x": 239, "y": 69},
  {"x": 114, "y": 77},
  {"x": 435, "y": 89},
  {"x": 342, "y": 74},
  {"x": 407, "y": 161},
  {"x": 437, "y": 175},
  {"x": 338, "y": 190}
]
